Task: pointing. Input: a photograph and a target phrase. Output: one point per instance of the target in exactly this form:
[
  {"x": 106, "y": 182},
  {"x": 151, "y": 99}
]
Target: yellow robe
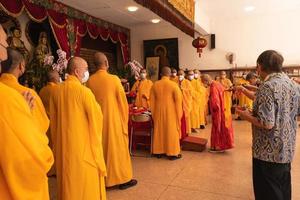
[
  {"x": 175, "y": 79},
  {"x": 112, "y": 99},
  {"x": 25, "y": 156},
  {"x": 142, "y": 88},
  {"x": 45, "y": 93},
  {"x": 76, "y": 129},
  {"x": 166, "y": 108},
  {"x": 198, "y": 110},
  {"x": 243, "y": 99},
  {"x": 38, "y": 111},
  {"x": 187, "y": 92},
  {"x": 227, "y": 100}
]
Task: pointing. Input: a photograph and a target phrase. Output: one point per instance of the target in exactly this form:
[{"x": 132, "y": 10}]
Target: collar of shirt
[{"x": 272, "y": 75}]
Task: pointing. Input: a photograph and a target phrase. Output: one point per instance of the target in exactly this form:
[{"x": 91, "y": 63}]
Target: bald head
[
  {"x": 53, "y": 76},
  {"x": 14, "y": 64},
  {"x": 100, "y": 61},
  {"x": 181, "y": 72},
  {"x": 206, "y": 79},
  {"x": 75, "y": 63},
  {"x": 166, "y": 71}
]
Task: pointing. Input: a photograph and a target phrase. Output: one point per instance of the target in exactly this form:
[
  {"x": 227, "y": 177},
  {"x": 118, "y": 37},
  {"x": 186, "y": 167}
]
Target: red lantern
[{"x": 199, "y": 43}]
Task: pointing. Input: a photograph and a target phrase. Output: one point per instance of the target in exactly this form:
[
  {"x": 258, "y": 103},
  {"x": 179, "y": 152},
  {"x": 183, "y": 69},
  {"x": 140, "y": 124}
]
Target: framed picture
[
  {"x": 152, "y": 67},
  {"x": 165, "y": 49}
]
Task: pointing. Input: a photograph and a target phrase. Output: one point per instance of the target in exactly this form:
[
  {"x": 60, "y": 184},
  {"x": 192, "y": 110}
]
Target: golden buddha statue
[
  {"x": 42, "y": 49},
  {"x": 16, "y": 43}
]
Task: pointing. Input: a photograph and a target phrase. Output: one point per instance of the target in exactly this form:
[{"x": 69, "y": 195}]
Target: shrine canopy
[{"x": 69, "y": 25}]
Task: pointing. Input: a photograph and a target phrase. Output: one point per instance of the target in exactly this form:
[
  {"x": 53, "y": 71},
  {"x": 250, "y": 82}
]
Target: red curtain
[{"x": 58, "y": 22}]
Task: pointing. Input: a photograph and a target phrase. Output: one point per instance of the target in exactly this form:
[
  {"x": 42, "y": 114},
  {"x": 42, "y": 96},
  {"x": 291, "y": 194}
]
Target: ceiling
[
  {"x": 235, "y": 8},
  {"x": 114, "y": 11}
]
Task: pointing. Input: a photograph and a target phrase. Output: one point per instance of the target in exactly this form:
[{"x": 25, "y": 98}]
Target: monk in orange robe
[
  {"x": 187, "y": 95},
  {"x": 221, "y": 135},
  {"x": 76, "y": 129},
  {"x": 11, "y": 73},
  {"x": 112, "y": 99},
  {"x": 227, "y": 96},
  {"x": 166, "y": 108},
  {"x": 142, "y": 89},
  {"x": 25, "y": 156},
  {"x": 47, "y": 91},
  {"x": 174, "y": 76}
]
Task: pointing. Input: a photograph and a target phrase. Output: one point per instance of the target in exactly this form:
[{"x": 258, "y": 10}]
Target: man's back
[
  {"x": 25, "y": 156},
  {"x": 38, "y": 111},
  {"x": 111, "y": 96},
  {"x": 166, "y": 107},
  {"x": 76, "y": 124}
]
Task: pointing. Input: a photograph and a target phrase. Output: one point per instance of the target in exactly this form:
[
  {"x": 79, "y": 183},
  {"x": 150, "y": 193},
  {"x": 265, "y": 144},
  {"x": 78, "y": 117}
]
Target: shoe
[
  {"x": 175, "y": 157},
  {"x": 127, "y": 185},
  {"x": 157, "y": 155},
  {"x": 202, "y": 127}
]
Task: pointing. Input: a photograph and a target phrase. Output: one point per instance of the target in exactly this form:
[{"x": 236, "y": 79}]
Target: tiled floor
[{"x": 199, "y": 176}]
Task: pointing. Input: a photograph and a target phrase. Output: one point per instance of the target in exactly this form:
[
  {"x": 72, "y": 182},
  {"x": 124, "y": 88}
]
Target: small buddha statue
[
  {"x": 42, "y": 49},
  {"x": 16, "y": 43}
]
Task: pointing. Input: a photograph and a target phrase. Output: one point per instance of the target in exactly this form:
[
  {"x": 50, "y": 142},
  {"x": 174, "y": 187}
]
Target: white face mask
[
  {"x": 196, "y": 76},
  {"x": 143, "y": 75},
  {"x": 191, "y": 77},
  {"x": 181, "y": 77},
  {"x": 85, "y": 77},
  {"x": 174, "y": 74}
]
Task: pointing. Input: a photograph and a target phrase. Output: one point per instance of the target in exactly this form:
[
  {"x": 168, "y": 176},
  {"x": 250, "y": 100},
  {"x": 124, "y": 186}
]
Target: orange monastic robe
[
  {"x": 38, "y": 111},
  {"x": 198, "y": 110},
  {"x": 243, "y": 99},
  {"x": 221, "y": 133},
  {"x": 25, "y": 156},
  {"x": 76, "y": 129},
  {"x": 166, "y": 108},
  {"x": 45, "y": 93},
  {"x": 187, "y": 95},
  {"x": 227, "y": 99},
  {"x": 112, "y": 99},
  {"x": 175, "y": 79},
  {"x": 142, "y": 89}
]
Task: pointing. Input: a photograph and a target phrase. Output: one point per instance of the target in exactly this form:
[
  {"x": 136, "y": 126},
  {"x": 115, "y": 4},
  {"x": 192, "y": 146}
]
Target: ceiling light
[
  {"x": 249, "y": 8},
  {"x": 132, "y": 8},
  {"x": 155, "y": 21}
]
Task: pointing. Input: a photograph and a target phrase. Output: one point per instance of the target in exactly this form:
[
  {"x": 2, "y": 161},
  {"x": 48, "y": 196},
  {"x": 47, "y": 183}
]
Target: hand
[
  {"x": 297, "y": 80},
  {"x": 29, "y": 98},
  {"x": 239, "y": 88},
  {"x": 243, "y": 112}
]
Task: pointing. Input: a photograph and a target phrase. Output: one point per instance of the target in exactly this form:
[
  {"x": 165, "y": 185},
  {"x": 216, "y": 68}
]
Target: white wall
[
  {"x": 188, "y": 57},
  {"x": 248, "y": 36}
]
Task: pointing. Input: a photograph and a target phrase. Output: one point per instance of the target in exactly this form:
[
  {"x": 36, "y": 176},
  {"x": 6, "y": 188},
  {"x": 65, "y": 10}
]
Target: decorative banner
[
  {"x": 68, "y": 30},
  {"x": 185, "y": 7}
]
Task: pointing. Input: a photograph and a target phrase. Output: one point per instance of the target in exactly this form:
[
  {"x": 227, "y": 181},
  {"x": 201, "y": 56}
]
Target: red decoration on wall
[
  {"x": 199, "y": 43},
  {"x": 58, "y": 22}
]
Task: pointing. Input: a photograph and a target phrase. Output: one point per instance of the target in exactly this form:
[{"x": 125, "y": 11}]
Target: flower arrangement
[
  {"x": 135, "y": 68},
  {"x": 61, "y": 65}
]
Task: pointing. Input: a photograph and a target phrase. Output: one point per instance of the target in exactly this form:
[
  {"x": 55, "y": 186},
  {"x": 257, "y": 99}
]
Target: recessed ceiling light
[
  {"x": 132, "y": 8},
  {"x": 155, "y": 21},
  {"x": 249, "y": 8}
]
